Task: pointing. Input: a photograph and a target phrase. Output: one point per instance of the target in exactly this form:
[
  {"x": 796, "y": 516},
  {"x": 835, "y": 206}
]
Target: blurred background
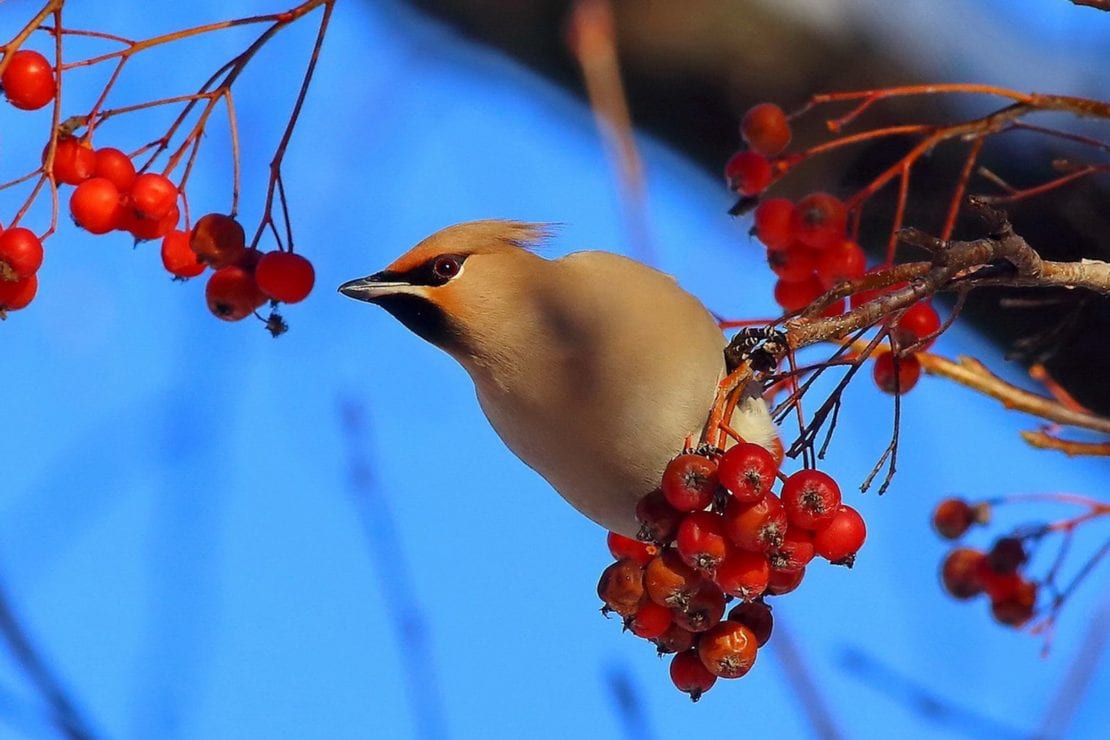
[{"x": 206, "y": 532}]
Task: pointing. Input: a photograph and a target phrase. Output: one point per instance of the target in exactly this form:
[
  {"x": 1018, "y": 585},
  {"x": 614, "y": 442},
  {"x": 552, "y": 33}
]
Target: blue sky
[{"x": 178, "y": 527}]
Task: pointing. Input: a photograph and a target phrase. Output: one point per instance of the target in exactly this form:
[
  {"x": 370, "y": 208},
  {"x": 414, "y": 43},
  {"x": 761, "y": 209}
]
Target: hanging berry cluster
[
  {"x": 114, "y": 192},
  {"x": 716, "y": 531}
]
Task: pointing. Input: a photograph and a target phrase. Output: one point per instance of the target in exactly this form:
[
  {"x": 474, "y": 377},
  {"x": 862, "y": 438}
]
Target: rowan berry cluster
[
  {"x": 967, "y": 572},
  {"x": 715, "y": 531},
  {"x": 810, "y": 250}
]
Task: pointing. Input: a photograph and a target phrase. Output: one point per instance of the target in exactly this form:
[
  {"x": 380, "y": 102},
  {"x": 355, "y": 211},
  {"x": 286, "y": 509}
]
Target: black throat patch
[{"x": 422, "y": 318}]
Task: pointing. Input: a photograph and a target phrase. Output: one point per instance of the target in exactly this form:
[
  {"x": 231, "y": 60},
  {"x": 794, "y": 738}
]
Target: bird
[{"x": 593, "y": 368}]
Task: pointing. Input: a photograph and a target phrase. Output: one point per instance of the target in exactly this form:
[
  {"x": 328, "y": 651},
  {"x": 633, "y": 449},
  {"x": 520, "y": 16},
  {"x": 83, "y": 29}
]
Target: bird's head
[{"x": 458, "y": 282}]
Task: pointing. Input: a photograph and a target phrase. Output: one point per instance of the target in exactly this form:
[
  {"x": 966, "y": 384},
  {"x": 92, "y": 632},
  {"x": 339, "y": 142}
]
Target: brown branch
[
  {"x": 1071, "y": 448},
  {"x": 1096, "y": 4}
]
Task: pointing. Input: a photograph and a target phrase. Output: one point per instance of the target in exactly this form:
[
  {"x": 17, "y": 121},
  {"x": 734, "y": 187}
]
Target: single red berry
[
  {"x": 179, "y": 259},
  {"x": 658, "y": 519},
  {"x": 114, "y": 165},
  {"x": 748, "y": 173},
  {"x": 1018, "y": 607},
  {"x": 620, "y": 547},
  {"x": 784, "y": 581},
  {"x": 811, "y": 499},
  {"x": 820, "y": 220},
  {"x": 1007, "y": 555},
  {"x": 152, "y": 195},
  {"x": 728, "y": 650},
  {"x": 701, "y": 540},
  {"x": 765, "y": 129},
  {"x": 28, "y": 80},
  {"x": 95, "y": 205},
  {"x": 621, "y": 586},
  {"x": 669, "y": 581},
  {"x": 703, "y": 610},
  {"x": 840, "y": 539},
  {"x": 743, "y": 574},
  {"x": 896, "y": 375},
  {"x": 747, "y": 471},
  {"x": 793, "y": 264},
  {"x": 796, "y": 550},
  {"x": 17, "y": 294},
  {"x": 794, "y": 296},
  {"x": 145, "y": 229},
  {"x": 650, "y": 621},
  {"x": 232, "y": 294},
  {"x": 773, "y": 223},
  {"x": 757, "y": 527},
  {"x": 285, "y": 276},
  {"x": 218, "y": 240},
  {"x": 844, "y": 260},
  {"x": 689, "y": 482},
  {"x": 959, "y": 573},
  {"x": 74, "y": 160},
  {"x": 953, "y": 517},
  {"x": 756, "y": 616},
  {"x": 690, "y": 676},
  {"x": 20, "y": 254},
  {"x": 675, "y": 640},
  {"x": 919, "y": 321}
]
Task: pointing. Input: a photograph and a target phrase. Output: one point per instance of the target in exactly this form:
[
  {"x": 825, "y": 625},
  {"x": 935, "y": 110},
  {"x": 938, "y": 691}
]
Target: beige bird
[{"x": 592, "y": 368}]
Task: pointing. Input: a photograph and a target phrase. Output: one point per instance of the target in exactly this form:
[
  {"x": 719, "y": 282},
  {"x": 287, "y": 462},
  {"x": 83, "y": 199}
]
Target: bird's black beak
[{"x": 373, "y": 287}]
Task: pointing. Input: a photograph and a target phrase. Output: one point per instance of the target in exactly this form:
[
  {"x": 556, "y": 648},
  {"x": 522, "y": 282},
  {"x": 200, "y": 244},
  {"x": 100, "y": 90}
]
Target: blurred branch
[
  {"x": 801, "y": 683},
  {"x": 1070, "y": 693},
  {"x": 1096, "y": 4},
  {"x": 63, "y": 711},
  {"x": 628, "y": 703}
]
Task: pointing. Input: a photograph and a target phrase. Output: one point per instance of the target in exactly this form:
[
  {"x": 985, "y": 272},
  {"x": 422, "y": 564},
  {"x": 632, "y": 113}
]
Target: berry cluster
[
  {"x": 967, "y": 572},
  {"x": 715, "y": 531},
  {"x": 809, "y": 248}
]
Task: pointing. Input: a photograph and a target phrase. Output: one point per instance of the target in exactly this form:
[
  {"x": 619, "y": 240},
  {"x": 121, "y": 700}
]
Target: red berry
[
  {"x": 701, "y": 540},
  {"x": 179, "y": 259},
  {"x": 773, "y": 223},
  {"x": 959, "y": 573},
  {"x": 820, "y": 220},
  {"x": 998, "y": 586},
  {"x": 15, "y": 295},
  {"x": 658, "y": 519},
  {"x": 757, "y": 527},
  {"x": 28, "y": 80},
  {"x": 675, "y": 640},
  {"x": 794, "y": 296},
  {"x": 74, "y": 160},
  {"x": 621, "y": 586},
  {"x": 795, "y": 551},
  {"x": 650, "y": 621},
  {"x": 747, "y": 471},
  {"x": 953, "y": 517},
  {"x": 743, "y": 574},
  {"x": 689, "y": 482},
  {"x": 1018, "y": 607},
  {"x": 152, "y": 195},
  {"x": 728, "y": 650},
  {"x": 748, "y": 173},
  {"x": 784, "y": 581},
  {"x": 232, "y": 294},
  {"x": 218, "y": 240},
  {"x": 756, "y": 616},
  {"x": 285, "y": 276},
  {"x": 144, "y": 229},
  {"x": 20, "y": 254},
  {"x": 900, "y": 379},
  {"x": 844, "y": 260},
  {"x": 840, "y": 539},
  {"x": 621, "y": 547},
  {"x": 1007, "y": 555},
  {"x": 116, "y": 166},
  {"x": 704, "y": 609},
  {"x": 95, "y": 205},
  {"x": 765, "y": 129},
  {"x": 919, "y": 321},
  {"x": 811, "y": 499},
  {"x": 794, "y": 264},
  {"x": 669, "y": 581},
  {"x": 690, "y": 676}
]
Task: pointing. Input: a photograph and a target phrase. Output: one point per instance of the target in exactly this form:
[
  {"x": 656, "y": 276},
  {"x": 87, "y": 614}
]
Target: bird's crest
[{"x": 475, "y": 237}]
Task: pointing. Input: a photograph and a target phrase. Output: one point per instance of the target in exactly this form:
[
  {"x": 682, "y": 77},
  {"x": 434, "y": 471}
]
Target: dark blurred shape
[
  {"x": 628, "y": 705},
  {"x": 1072, "y": 690},
  {"x": 691, "y": 69}
]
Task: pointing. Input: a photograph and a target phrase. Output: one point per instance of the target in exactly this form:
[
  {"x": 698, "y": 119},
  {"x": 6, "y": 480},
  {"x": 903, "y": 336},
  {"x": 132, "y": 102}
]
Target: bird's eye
[{"x": 447, "y": 266}]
